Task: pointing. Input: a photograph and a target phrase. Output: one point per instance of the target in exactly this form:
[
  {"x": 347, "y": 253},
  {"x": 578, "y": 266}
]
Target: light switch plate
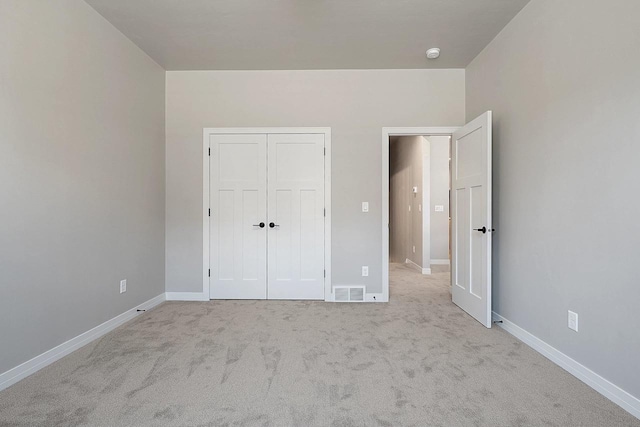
[
  {"x": 439, "y": 208},
  {"x": 365, "y": 206},
  {"x": 573, "y": 321},
  {"x": 123, "y": 286}
]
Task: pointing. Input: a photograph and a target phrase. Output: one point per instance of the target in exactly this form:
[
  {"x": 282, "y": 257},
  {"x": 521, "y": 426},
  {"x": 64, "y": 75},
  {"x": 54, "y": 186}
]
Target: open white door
[{"x": 471, "y": 218}]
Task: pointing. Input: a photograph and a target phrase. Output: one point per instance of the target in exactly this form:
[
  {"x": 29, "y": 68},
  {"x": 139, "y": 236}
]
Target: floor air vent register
[{"x": 348, "y": 293}]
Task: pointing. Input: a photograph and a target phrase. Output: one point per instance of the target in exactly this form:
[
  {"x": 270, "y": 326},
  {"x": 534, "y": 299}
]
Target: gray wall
[
  {"x": 81, "y": 175},
  {"x": 355, "y": 104},
  {"x": 405, "y": 226},
  {"x": 439, "y": 155},
  {"x": 563, "y": 80}
]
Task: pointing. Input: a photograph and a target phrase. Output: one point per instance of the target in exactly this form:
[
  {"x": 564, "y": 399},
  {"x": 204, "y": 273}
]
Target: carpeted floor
[{"x": 417, "y": 360}]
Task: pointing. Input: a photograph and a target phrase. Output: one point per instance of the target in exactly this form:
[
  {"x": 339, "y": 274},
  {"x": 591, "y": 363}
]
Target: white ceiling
[{"x": 308, "y": 34}]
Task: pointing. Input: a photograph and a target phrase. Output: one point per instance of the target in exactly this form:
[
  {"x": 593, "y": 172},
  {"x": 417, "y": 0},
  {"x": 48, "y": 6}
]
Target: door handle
[
  {"x": 272, "y": 225},
  {"x": 484, "y": 229},
  {"x": 261, "y": 225}
]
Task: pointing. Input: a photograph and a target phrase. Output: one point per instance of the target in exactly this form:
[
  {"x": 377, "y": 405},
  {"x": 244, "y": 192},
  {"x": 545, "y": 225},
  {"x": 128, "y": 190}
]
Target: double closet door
[{"x": 267, "y": 216}]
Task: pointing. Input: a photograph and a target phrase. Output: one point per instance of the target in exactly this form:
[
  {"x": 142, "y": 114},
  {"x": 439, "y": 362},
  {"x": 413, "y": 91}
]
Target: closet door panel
[
  {"x": 238, "y": 200},
  {"x": 296, "y": 216}
]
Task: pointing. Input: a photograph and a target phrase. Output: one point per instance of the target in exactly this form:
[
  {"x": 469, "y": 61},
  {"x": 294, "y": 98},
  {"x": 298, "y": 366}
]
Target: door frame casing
[
  {"x": 386, "y": 133},
  {"x": 206, "y": 133}
]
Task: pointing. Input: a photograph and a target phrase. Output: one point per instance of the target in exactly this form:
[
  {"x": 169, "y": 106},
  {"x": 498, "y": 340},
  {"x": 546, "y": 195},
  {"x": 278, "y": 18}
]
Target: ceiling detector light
[{"x": 433, "y": 53}]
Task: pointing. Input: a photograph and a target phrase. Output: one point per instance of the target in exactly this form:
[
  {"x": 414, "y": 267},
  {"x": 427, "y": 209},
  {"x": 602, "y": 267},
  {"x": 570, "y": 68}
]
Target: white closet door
[
  {"x": 296, "y": 216},
  {"x": 238, "y": 200}
]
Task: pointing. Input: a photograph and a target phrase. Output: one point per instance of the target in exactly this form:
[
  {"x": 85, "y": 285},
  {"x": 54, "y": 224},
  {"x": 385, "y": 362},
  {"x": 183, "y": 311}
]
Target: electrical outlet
[
  {"x": 365, "y": 271},
  {"x": 414, "y": 249},
  {"x": 123, "y": 286},
  {"x": 573, "y": 321}
]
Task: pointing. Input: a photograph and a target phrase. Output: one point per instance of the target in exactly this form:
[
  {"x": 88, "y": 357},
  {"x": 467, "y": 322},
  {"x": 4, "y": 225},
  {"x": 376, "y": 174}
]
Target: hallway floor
[{"x": 416, "y": 361}]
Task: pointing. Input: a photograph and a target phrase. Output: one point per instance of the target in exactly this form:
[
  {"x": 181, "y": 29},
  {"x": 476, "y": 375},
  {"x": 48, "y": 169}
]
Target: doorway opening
[
  {"x": 416, "y": 198},
  {"x": 470, "y": 200},
  {"x": 419, "y": 219}
]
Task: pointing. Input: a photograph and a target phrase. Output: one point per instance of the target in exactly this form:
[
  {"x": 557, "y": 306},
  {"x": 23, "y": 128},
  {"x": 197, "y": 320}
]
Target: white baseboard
[
  {"x": 412, "y": 265},
  {"x": 603, "y": 386},
  {"x": 439, "y": 262},
  {"x": 416, "y": 267},
  {"x": 29, "y": 367},
  {"x": 187, "y": 296}
]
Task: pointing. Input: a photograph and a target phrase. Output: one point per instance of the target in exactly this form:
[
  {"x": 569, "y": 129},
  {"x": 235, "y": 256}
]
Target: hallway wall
[
  {"x": 405, "y": 217},
  {"x": 439, "y": 196}
]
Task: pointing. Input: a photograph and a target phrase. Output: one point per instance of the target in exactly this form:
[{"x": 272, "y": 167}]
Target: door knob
[
  {"x": 484, "y": 229},
  {"x": 261, "y": 225},
  {"x": 272, "y": 225}
]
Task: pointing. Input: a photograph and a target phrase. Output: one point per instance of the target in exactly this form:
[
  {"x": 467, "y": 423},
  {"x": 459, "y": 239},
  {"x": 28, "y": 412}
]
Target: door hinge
[
  {"x": 209, "y": 272},
  {"x": 209, "y": 151},
  {"x": 325, "y": 273},
  {"x": 325, "y": 211},
  {"x": 325, "y": 151},
  {"x": 209, "y": 212}
]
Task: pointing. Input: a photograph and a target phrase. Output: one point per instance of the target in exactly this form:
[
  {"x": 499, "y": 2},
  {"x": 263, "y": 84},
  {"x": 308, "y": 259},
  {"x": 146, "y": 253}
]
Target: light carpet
[{"x": 416, "y": 361}]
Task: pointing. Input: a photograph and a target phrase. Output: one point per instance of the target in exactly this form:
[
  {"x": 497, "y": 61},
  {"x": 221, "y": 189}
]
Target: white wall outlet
[
  {"x": 409, "y": 208},
  {"x": 414, "y": 249},
  {"x": 365, "y": 270},
  {"x": 419, "y": 207},
  {"x": 573, "y": 320},
  {"x": 123, "y": 286},
  {"x": 365, "y": 206}
]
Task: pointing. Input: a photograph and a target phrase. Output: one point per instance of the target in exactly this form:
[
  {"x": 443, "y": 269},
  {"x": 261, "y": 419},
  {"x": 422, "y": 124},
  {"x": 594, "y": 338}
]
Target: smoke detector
[{"x": 433, "y": 53}]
